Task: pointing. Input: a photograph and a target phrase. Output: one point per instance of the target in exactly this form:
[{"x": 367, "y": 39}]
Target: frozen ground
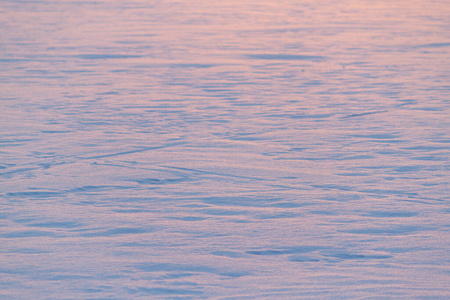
[{"x": 224, "y": 149}]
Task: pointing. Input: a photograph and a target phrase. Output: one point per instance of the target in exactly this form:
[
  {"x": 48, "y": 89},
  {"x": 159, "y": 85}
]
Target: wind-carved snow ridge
[{"x": 224, "y": 150}]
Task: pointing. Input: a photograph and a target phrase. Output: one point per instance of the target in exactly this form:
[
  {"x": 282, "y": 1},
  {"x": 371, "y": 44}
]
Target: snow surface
[{"x": 213, "y": 149}]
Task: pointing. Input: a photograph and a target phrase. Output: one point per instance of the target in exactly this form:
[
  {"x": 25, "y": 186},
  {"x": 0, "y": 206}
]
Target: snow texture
[{"x": 224, "y": 149}]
